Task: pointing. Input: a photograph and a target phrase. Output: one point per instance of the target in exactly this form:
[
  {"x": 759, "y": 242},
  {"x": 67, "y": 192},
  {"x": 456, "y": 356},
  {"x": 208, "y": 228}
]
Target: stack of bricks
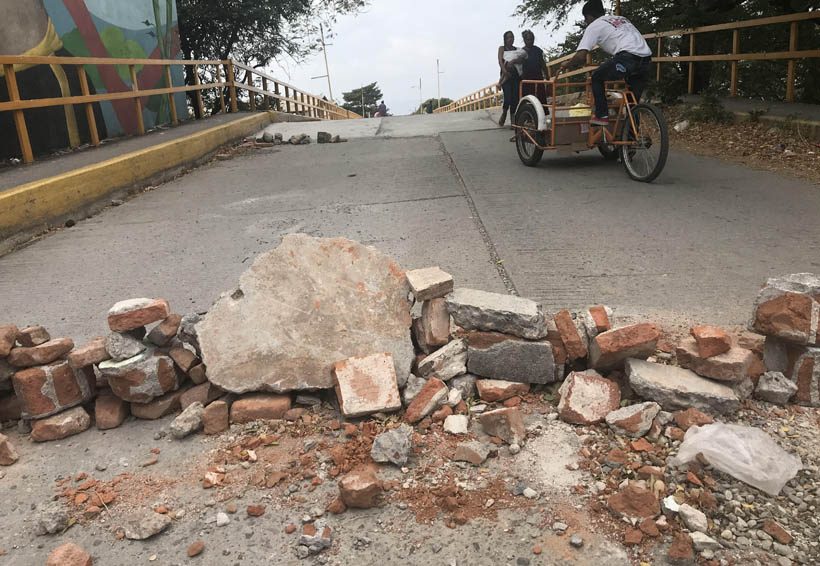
[{"x": 787, "y": 312}]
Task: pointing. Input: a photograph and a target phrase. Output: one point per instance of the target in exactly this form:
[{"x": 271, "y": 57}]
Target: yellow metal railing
[
  {"x": 489, "y": 96},
  {"x": 289, "y": 98}
]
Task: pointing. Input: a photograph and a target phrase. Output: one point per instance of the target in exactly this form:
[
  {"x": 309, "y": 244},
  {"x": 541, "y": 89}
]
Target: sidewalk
[
  {"x": 796, "y": 110},
  {"x": 50, "y": 165}
]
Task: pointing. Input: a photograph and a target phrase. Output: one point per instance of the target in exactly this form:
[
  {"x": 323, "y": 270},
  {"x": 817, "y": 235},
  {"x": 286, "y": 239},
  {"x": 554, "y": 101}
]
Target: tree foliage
[
  {"x": 760, "y": 79},
  {"x": 432, "y": 102},
  {"x": 371, "y": 94}
]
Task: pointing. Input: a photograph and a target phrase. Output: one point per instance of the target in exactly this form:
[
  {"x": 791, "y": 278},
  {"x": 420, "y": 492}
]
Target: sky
[{"x": 396, "y": 42}]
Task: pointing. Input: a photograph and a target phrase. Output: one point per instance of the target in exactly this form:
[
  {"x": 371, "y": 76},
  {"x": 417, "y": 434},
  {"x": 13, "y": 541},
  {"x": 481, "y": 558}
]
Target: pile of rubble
[
  {"x": 268, "y": 138},
  {"x": 320, "y": 321}
]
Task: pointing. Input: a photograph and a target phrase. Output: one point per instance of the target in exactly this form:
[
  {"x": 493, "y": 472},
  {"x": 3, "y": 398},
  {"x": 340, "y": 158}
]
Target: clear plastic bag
[{"x": 743, "y": 452}]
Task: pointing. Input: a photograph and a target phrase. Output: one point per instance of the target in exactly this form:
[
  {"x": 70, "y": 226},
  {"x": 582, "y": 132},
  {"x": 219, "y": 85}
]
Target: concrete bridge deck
[{"x": 443, "y": 190}]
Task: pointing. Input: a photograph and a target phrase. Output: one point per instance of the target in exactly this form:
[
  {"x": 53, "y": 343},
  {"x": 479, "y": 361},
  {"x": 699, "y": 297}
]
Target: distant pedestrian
[
  {"x": 382, "y": 110},
  {"x": 510, "y": 59}
]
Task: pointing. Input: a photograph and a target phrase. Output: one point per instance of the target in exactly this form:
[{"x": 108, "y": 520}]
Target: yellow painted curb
[{"x": 36, "y": 204}]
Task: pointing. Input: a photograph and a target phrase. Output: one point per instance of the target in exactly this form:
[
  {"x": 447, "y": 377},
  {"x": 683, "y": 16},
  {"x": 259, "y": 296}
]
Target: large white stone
[{"x": 302, "y": 307}]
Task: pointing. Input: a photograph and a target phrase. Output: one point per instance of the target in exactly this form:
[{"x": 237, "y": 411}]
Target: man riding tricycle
[{"x": 609, "y": 114}]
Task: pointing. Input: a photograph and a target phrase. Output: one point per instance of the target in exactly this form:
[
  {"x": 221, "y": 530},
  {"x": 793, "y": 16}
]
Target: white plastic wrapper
[{"x": 743, "y": 452}]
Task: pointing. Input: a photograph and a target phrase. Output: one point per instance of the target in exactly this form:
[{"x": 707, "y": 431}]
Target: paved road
[{"x": 446, "y": 190}]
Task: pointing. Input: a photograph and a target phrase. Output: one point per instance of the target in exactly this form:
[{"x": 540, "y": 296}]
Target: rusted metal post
[
  {"x": 89, "y": 107},
  {"x": 137, "y": 104},
  {"x": 19, "y": 118}
]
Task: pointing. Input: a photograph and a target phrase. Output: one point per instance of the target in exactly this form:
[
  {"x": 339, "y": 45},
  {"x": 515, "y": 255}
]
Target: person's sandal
[{"x": 503, "y": 118}]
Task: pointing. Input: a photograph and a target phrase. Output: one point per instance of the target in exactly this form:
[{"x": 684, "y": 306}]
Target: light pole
[
  {"x": 327, "y": 67},
  {"x": 438, "y": 80},
  {"x": 421, "y": 100}
]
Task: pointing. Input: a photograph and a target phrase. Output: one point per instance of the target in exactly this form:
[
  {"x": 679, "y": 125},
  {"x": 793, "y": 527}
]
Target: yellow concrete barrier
[{"x": 37, "y": 206}]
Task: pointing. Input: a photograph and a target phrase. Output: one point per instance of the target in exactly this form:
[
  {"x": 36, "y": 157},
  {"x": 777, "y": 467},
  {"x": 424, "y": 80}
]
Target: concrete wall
[{"x": 87, "y": 28}]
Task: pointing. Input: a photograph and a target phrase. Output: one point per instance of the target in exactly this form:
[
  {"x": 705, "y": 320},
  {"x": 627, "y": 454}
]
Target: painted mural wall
[{"x": 87, "y": 28}]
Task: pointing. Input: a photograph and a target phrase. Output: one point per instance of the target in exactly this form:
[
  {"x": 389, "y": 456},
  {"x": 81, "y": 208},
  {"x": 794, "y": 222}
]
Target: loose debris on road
[{"x": 331, "y": 375}]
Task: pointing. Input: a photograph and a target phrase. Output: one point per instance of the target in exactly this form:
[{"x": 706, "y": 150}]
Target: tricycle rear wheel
[{"x": 527, "y": 118}]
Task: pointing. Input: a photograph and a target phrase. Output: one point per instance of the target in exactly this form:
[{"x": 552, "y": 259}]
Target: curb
[
  {"x": 33, "y": 208},
  {"x": 810, "y": 128}
]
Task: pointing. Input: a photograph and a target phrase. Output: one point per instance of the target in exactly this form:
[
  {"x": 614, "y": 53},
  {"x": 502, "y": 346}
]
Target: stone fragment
[
  {"x": 141, "y": 378},
  {"x": 204, "y": 394},
  {"x": 366, "y": 385},
  {"x": 492, "y": 390},
  {"x": 360, "y": 488},
  {"x": 134, "y": 313},
  {"x": 198, "y": 374},
  {"x": 776, "y": 530},
  {"x": 453, "y": 398},
  {"x": 165, "y": 331},
  {"x": 703, "y": 542},
  {"x": 316, "y": 537},
  {"x": 803, "y": 368},
  {"x": 187, "y": 331},
  {"x": 45, "y": 353},
  {"x": 123, "y": 345},
  {"x": 456, "y": 424},
  {"x": 91, "y": 354},
  {"x": 610, "y": 349},
  {"x": 680, "y": 551},
  {"x": 466, "y": 384},
  {"x": 731, "y": 365},
  {"x": 8, "y": 337},
  {"x": 675, "y": 388},
  {"x": 323, "y": 137},
  {"x": 787, "y": 308},
  {"x": 215, "y": 417},
  {"x": 429, "y": 283},
  {"x": 70, "y": 422},
  {"x": 774, "y": 387},
  {"x": 439, "y": 415},
  {"x": 573, "y": 335},
  {"x": 446, "y": 362},
  {"x": 188, "y": 421},
  {"x": 710, "y": 340},
  {"x": 432, "y": 328},
  {"x": 587, "y": 398},
  {"x": 692, "y": 417},
  {"x": 52, "y": 519},
  {"x": 694, "y": 519},
  {"x": 633, "y": 501},
  {"x": 479, "y": 310},
  {"x": 633, "y": 420},
  {"x": 109, "y": 411},
  {"x": 472, "y": 451},
  {"x": 505, "y": 357},
  {"x": 183, "y": 358},
  {"x": 431, "y": 395},
  {"x": 159, "y": 407},
  {"x": 33, "y": 336},
  {"x": 196, "y": 548},
  {"x": 49, "y": 389},
  {"x": 69, "y": 554},
  {"x": 507, "y": 424},
  {"x": 259, "y": 406},
  {"x": 8, "y": 454},
  {"x": 333, "y": 299},
  {"x": 392, "y": 446},
  {"x": 145, "y": 523},
  {"x": 412, "y": 388}
]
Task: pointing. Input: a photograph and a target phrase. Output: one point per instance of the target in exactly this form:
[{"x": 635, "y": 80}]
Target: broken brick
[{"x": 366, "y": 385}]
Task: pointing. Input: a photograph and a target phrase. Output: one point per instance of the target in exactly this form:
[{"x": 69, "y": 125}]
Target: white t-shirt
[{"x": 614, "y": 34}]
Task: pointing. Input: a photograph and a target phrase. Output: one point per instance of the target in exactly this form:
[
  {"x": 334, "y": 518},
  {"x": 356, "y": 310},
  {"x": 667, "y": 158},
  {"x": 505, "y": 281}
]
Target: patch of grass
[{"x": 710, "y": 109}]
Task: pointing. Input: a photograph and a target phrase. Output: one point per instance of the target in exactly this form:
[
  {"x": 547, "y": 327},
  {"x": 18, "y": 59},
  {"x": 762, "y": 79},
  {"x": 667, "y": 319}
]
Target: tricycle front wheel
[
  {"x": 527, "y": 119},
  {"x": 645, "y": 156}
]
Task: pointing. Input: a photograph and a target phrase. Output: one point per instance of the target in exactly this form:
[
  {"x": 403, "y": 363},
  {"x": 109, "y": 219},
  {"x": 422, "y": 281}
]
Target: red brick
[
  {"x": 441, "y": 414},
  {"x": 122, "y": 318},
  {"x": 774, "y": 529},
  {"x": 559, "y": 352},
  {"x": 492, "y": 390},
  {"x": 426, "y": 400},
  {"x": 33, "y": 336},
  {"x": 692, "y": 417},
  {"x": 92, "y": 353},
  {"x": 681, "y": 551},
  {"x": 731, "y": 365},
  {"x": 184, "y": 359},
  {"x": 507, "y": 424},
  {"x": 259, "y": 406},
  {"x": 69, "y": 554},
  {"x": 45, "y": 390},
  {"x": 203, "y": 393},
  {"x": 711, "y": 340},
  {"x": 165, "y": 331},
  {"x": 8, "y": 454},
  {"x": 784, "y": 316},
  {"x": 8, "y": 336},
  {"x": 366, "y": 385},
  {"x": 61, "y": 425},
  {"x": 109, "y": 411},
  {"x": 158, "y": 407},
  {"x": 198, "y": 374},
  {"x": 570, "y": 335},
  {"x": 600, "y": 318},
  {"x": 634, "y": 501},
  {"x": 196, "y": 548},
  {"x": 256, "y": 510},
  {"x": 360, "y": 489},
  {"x": 40, "y": 355},
  {"x": 587, "y": 398},
  {"x": 433, "y": 327},
  {"x": 215, "y": 417},
  {"x": 610, "y": 349},
  {"x": 632, "y": 537}
]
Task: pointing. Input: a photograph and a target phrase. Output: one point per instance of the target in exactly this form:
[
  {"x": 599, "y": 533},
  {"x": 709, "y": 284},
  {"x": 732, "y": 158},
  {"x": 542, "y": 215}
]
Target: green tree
[
  {"x": 764, "y": 79},
  {"x": 255, "y": 32},
  {"x": 369, "y": 95},
  {"x": 422, "y": 109}
]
